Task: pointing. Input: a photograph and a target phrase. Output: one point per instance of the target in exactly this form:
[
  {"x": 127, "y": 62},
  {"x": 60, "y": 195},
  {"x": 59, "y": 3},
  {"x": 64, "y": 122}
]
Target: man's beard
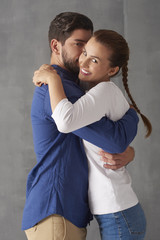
[{"x": 69, "y": 64}]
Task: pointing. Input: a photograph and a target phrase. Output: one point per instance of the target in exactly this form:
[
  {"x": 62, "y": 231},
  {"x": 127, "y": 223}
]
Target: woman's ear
[
  {"x": 113, "y": 71},
  {"x": 55, "y": 46}
]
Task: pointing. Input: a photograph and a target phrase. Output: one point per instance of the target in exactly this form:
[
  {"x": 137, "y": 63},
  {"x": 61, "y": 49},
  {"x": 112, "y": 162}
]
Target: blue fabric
[
  {"x": 129, "y": 224},
  {"x": 59, "y": 181}
]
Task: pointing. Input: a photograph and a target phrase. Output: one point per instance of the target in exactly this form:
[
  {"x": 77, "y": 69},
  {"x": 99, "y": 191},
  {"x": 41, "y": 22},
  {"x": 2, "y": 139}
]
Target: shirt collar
[{"x": 66, "y": 74}]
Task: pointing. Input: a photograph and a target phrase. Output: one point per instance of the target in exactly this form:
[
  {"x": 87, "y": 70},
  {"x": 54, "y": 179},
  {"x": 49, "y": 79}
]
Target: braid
[
  {"x": 125, "y": 83},
  {"x": 119, "y": 57}
]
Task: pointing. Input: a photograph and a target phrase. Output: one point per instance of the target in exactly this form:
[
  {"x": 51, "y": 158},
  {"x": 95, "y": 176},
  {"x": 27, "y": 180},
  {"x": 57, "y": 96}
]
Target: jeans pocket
[{"x": 135, "y": 220}]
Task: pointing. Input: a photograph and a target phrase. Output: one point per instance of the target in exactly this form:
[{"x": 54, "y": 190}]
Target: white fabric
[
  {"x": 103, "y": 99},
  {"x": 109, "y": 190}
]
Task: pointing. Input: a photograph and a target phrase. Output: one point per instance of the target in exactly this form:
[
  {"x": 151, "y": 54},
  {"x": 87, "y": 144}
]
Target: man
[{"x": 56, "y": 200}]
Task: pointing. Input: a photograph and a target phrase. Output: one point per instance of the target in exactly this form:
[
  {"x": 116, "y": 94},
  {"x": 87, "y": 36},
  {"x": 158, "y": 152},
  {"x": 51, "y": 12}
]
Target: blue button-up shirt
[{"x": 58, "y": 184}]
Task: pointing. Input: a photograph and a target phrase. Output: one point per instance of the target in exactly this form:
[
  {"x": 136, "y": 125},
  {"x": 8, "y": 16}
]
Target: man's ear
[
  {"x": 55, "y": 46},
  {"x": 113, "y": 71}
]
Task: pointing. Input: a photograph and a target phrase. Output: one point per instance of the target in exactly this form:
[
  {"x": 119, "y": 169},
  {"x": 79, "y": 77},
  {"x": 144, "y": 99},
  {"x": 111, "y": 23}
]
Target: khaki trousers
[{"x": 55, "y": 227}]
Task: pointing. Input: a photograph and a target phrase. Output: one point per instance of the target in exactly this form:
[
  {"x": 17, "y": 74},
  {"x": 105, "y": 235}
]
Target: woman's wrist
[{"x": 53, "y": 77}]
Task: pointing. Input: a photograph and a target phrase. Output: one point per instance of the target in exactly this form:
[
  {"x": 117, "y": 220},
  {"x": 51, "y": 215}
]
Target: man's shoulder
[
  {"x": 41, "y": 90},
  {"x": 72, "y": 89},
  {"x": 40, "y": 102}
]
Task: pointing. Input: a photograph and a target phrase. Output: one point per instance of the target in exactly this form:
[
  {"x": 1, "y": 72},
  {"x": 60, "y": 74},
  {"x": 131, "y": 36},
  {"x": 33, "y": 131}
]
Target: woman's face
[{"x": 94, "y": 62}]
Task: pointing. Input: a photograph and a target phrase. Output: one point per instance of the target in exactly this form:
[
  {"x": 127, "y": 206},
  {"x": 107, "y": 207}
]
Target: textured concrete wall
[
  {"x": 24, "y": 47},
  {"x": 142, "y": 22}
]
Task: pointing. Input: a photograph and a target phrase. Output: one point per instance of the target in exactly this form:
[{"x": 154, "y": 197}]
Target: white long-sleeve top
[{"x": 109, "y": 190}]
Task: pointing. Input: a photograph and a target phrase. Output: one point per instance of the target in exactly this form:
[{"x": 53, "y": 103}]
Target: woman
[{"x": 112, "y": 200}]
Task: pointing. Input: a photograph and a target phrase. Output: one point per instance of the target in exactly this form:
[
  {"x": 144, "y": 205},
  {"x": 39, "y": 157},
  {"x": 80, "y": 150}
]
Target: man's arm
[
  {"x": 116, "y": 161},
  {"x": 112, "y": 137}
]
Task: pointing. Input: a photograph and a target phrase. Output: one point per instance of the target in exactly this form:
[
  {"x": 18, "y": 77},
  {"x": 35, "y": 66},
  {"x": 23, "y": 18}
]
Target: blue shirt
[{"x": 58, "y": 184}]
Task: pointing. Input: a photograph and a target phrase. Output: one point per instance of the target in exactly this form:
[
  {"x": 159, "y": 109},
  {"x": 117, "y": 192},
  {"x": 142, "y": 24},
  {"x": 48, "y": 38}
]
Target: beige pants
[{"x": 56, "y": 227}]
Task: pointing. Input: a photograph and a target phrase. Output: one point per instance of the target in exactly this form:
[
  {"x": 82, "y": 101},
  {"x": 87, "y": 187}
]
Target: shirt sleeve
[
  {"x": 105, "y": 99},
  {"x": 112, "y": 137}
]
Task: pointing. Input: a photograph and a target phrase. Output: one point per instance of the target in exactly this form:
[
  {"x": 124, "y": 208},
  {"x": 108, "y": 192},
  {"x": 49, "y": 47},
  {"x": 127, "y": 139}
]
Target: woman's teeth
[{"x": 84, "y": 71}]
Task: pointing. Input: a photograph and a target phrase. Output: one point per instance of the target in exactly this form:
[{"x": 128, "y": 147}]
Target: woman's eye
[{"x": 94, "y": 60}]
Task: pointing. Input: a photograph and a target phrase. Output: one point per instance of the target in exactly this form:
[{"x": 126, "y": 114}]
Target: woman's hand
[{"x": 45, "y": 74}]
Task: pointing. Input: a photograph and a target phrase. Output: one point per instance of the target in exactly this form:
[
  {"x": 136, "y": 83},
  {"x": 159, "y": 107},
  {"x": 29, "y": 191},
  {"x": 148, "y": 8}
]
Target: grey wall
[{"x": 24, "y": 47}]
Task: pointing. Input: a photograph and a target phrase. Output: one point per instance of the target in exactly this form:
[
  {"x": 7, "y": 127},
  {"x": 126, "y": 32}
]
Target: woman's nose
[{"x": 84, "y": 63}]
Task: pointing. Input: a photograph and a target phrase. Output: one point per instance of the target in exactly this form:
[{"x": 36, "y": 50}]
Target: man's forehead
[
  {"x": 79, "y": 40},
  {"x": 81, "y": 35}
]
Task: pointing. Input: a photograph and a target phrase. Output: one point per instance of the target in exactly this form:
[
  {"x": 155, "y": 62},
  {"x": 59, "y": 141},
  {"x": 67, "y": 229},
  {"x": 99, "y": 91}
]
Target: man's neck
[{"x": 56, "y": 61}]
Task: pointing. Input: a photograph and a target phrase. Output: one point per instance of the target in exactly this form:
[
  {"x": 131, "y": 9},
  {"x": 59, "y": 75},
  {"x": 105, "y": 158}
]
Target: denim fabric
[{"x": 129, "y": 224}]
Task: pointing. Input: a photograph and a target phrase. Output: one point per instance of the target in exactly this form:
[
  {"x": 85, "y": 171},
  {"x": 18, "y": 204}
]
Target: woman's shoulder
[
  {"x": 107, "y": 84},
  {"x": 107, "y": 87}
]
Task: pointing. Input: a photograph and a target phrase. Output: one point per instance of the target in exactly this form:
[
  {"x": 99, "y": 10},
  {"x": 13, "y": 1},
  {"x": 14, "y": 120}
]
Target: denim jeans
[{"x": 129, "y": 224}]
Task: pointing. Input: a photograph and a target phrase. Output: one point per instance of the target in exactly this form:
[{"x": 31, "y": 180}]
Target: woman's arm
[
  {"x": 111, "y": 136},
  {"x": 48, "y": 75},
  {"x": 103, "y": 99}
]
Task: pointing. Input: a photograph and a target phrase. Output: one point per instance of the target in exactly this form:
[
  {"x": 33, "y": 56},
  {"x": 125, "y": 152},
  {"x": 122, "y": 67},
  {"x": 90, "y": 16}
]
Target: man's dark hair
[{"x": 65, "y": 23}]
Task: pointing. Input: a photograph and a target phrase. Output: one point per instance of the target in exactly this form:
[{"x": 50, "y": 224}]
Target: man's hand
[{"x": 116, "y": 161}]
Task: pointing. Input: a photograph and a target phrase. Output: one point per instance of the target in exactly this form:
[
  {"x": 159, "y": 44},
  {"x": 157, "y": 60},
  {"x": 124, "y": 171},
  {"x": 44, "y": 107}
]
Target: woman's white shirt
[{"x": 109, "y": 190}]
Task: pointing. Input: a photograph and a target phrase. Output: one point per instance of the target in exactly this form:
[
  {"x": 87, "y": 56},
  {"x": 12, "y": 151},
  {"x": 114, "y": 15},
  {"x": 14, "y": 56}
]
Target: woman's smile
[{"x": 84, "y": 72}]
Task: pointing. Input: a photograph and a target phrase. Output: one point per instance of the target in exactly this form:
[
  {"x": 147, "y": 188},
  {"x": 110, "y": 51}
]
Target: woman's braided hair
[{"x": 120, "y": 57}]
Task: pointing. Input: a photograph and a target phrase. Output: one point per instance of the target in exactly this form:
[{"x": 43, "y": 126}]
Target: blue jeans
[{"x": 129, "y": 224}]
